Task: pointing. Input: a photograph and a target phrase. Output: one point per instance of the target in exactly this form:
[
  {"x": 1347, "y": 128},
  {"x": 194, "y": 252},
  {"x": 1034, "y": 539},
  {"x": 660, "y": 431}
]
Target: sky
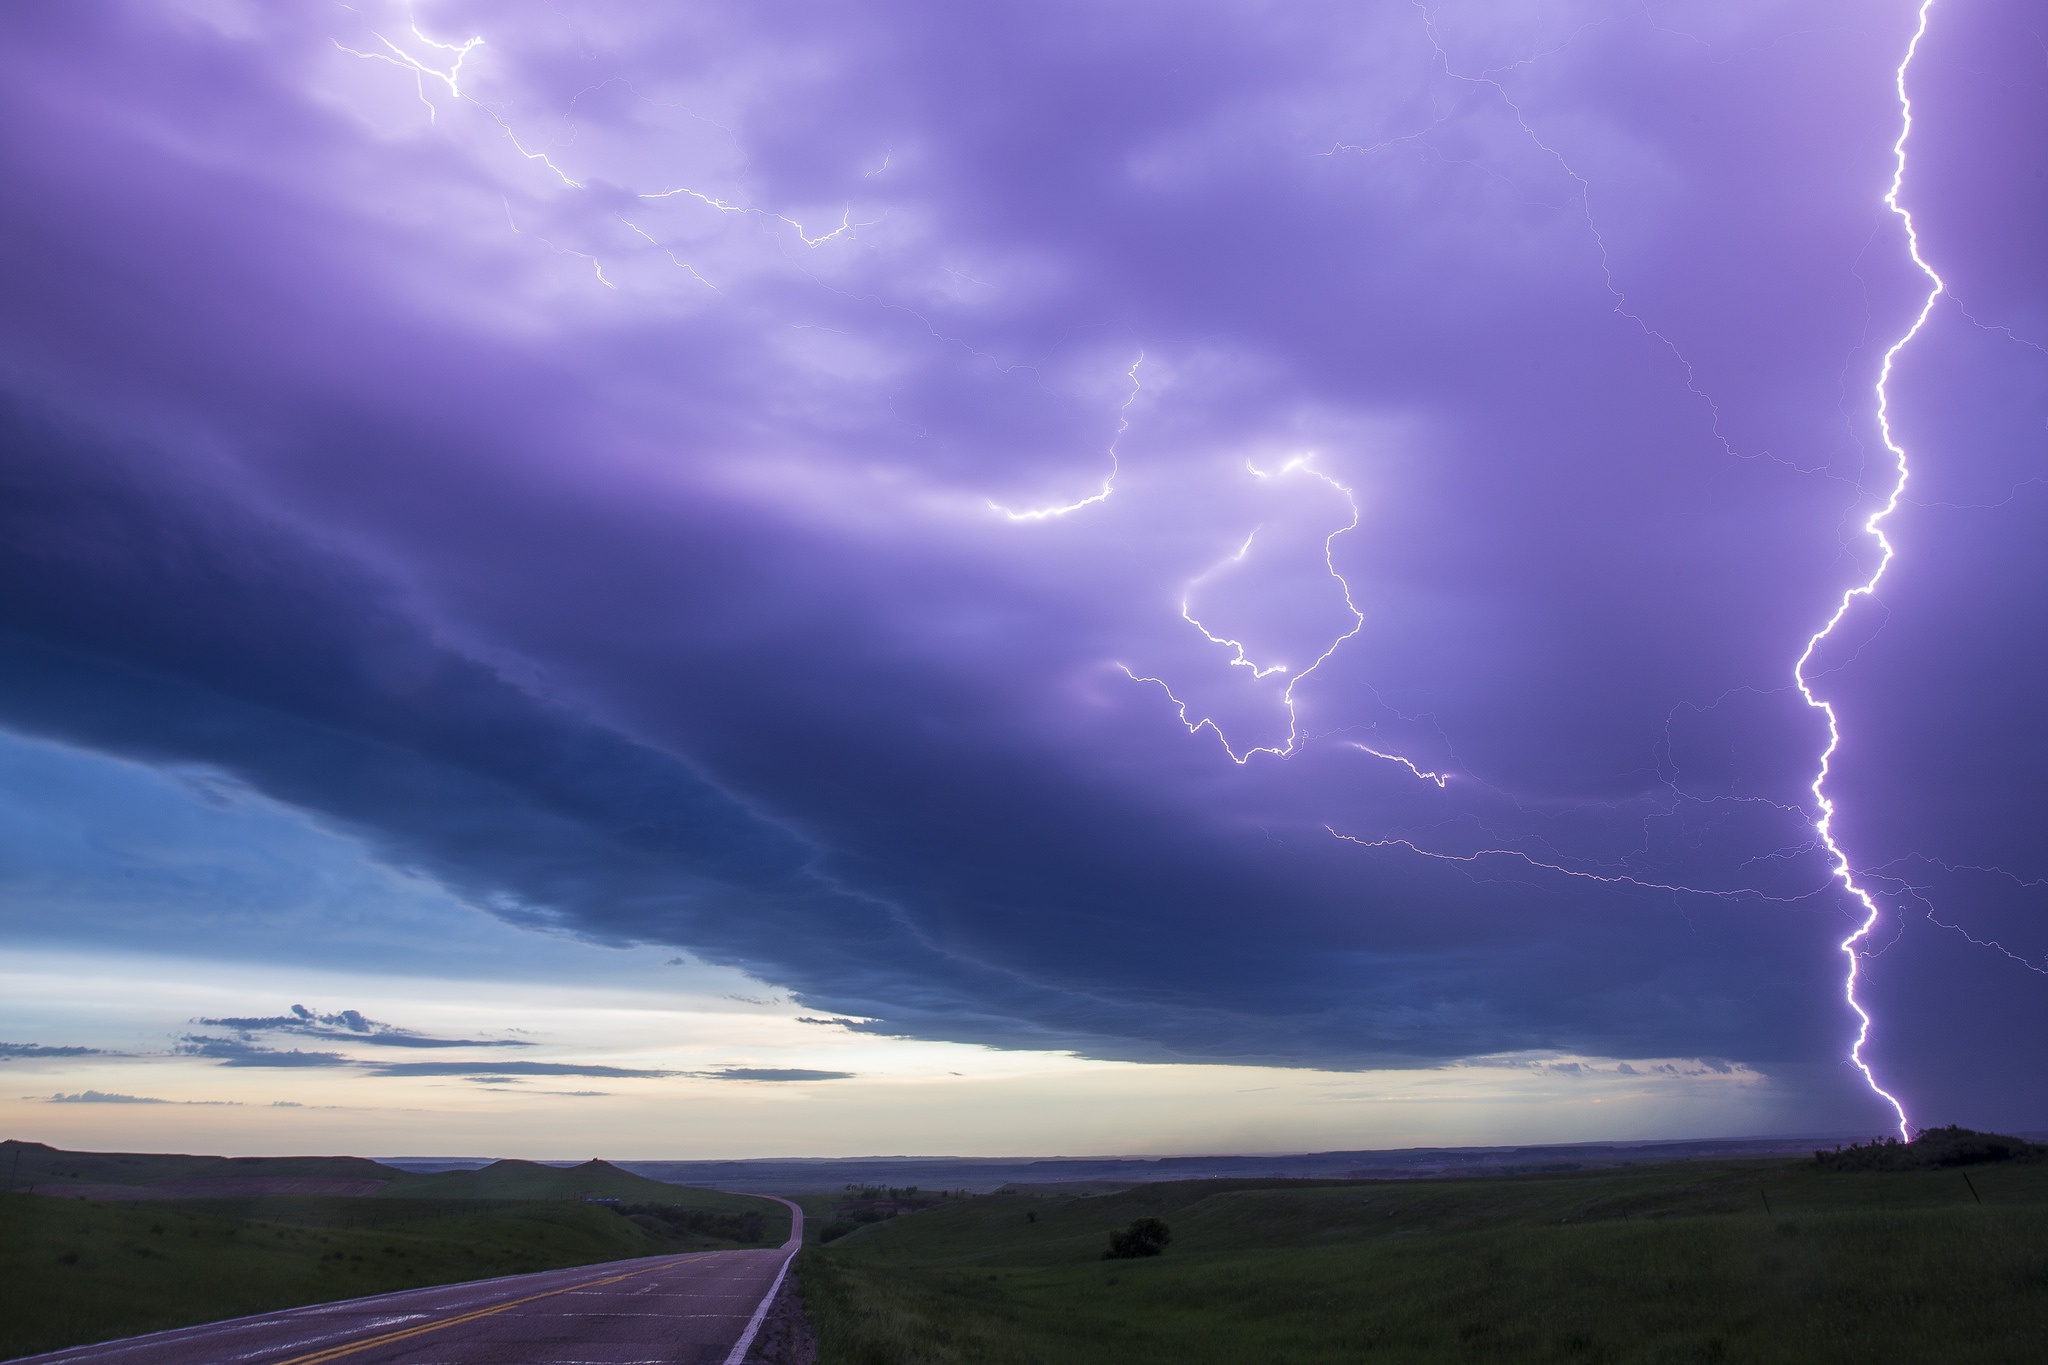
[{"x": 1020, "y": 578}]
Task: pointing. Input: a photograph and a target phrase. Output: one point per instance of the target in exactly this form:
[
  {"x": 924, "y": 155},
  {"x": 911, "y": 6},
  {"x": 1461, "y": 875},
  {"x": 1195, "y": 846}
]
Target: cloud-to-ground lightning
[
  {"x": 1873, "y": 526},
  {"x": 1123, "y": 424}
]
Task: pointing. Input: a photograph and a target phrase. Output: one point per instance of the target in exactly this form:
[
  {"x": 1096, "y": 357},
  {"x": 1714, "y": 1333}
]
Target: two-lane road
[{"x": 701, "y": 1308}]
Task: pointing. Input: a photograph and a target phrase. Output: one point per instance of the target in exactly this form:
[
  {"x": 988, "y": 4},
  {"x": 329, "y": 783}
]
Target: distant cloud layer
[
  {"x": 1180, "y": 532},
  {"x": 241, "y": 1052},
  {"x": 10, "y": 1051},
  {"x": 511, "y": 1069},
  {"x": 352, "y": 1026}
]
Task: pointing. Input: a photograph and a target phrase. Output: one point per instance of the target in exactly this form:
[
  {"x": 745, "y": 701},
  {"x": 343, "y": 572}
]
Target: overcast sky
[{"x": 1016, "y": 577}]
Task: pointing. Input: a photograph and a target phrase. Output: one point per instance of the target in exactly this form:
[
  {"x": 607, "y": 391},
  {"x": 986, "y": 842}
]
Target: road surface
[{"x": 701, "y": 1308}]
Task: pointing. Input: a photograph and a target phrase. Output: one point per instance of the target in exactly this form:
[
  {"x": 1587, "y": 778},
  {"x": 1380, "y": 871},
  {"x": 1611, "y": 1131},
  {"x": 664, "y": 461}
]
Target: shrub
[{"x": 1144, "y": 1237}]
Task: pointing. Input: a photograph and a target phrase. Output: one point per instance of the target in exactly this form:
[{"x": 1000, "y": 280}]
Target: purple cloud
[{"x": 593, "y": 495}]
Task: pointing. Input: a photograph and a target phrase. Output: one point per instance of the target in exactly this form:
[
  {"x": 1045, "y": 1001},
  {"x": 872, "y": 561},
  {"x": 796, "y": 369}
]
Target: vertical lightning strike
[
  {"x": 1873, "y": 526},
  {"x": 1123, "y": 424}
]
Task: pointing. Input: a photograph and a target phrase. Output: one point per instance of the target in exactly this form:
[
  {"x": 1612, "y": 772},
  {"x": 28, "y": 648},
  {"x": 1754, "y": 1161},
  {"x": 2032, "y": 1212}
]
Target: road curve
[{"x": 700, "y": 1308}]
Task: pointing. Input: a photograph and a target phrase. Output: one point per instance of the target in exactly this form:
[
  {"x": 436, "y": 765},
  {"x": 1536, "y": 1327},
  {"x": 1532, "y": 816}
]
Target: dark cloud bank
[{"x": 610, "y": 623}]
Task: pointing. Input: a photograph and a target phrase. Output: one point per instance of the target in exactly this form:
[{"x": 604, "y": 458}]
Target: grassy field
[
  {"x": 31, "y": 1164},
  {"x": 1755, "y": 1261},
  {"x": 76, "y": 1271}
]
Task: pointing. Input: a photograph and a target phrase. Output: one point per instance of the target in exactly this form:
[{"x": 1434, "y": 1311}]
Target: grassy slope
[
  {"x": 73, "y": 1272},
  {"x": 33, "y": 1163},
  {"x": 531, "y": 1180},
  {"x": 1670, "y": 1263}
]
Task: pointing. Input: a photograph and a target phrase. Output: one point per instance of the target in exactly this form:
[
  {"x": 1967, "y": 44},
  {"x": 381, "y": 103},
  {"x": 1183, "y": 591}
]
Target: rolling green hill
[
  {"x": 78, "y": 1270},
  {"x": 1738, "y": 1261},
  {"x": 25, "y": 1164},
  {"x": 531, "y": 1180}
]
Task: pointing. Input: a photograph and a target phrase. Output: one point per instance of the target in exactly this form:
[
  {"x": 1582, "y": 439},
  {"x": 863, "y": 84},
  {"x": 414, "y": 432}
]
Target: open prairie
[
  {"x": 87, "y": 1268},
  {"x": 1739, "y": 1261}
]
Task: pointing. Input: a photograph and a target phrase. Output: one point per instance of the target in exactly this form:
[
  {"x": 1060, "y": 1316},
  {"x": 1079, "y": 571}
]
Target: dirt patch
[
  {"x": 786, "y": 1337},
  {"x": 215, "y": 1187}
]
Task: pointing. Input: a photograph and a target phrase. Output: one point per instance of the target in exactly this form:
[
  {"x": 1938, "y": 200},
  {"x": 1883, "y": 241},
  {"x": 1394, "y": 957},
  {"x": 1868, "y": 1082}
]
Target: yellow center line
[{"x": 369, "y": 1343}]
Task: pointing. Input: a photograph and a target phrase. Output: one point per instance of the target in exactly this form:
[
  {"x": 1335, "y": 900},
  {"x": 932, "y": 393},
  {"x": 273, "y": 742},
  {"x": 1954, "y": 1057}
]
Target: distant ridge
[
  {"x": 126, "y": 1177},
  {"x": 985, "y": 1174}
]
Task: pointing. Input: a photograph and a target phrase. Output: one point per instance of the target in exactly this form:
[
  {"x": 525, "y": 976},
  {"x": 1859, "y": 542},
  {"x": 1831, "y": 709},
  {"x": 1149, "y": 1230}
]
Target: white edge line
[{"x": 790, "y": 1248}]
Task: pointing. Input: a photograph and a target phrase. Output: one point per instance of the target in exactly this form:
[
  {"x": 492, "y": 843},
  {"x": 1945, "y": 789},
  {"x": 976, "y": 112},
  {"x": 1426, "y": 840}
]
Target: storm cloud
[{"x": 1178, "y": 533}]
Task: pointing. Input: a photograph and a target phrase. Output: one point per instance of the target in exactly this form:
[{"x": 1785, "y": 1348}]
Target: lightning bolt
[
  {"x": 680, "y": 263},
  {"x": 397, "y": 56},
  {"x": 1123, "y": 424},
  {"x": 595, "y": 264},
  {"x": 1240, "y": 656},
  {"x": 846, "y": 223},
  {"x": 1873, "y": 526},
  {"x": 1924, "y": 896},
  {"x": 1605, "y": 879},
  {"x": 1583, "y": 192}
]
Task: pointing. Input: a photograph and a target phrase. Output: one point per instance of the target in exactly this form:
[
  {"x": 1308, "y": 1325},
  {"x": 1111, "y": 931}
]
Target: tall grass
[{"x": 1662, "y": 1265}]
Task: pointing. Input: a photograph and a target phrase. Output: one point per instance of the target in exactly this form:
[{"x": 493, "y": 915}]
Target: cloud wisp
[
  {"x": 349, "y": 1026},
  {"x": 18, "y": 1051}
]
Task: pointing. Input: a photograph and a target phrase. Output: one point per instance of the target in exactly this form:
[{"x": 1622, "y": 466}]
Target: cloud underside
[
  {"x": 349, "y": 1026},
  {"x": 12, "y": 1051},
  {"x": 1049, "y": 914},
  {"x": 110, "y": 1097},
  {"x": 240, "y": 1052},
  {"x": 676, "y": 612}
]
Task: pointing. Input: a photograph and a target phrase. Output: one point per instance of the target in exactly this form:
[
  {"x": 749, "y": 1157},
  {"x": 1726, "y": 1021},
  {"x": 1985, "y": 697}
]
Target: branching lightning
[
  {"x": 1873, "y": 526},
  {"x": 680, "y": 263},
  {"x": 595, "y": 264},
  {"x": 1240, "y": 656},
  {"x": 846, "y": 223},
  {"x": 397, "y": 56},
  {"x": 1123, "y": 424},
  {"x": 1606, "y": 879},
  {"x": 1923, "y": 895},
  {"x": 447, "y": 71},
  {"x": 1584, "y": 192}
]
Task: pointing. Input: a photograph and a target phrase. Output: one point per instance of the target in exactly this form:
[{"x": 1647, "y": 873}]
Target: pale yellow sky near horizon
[{"x": 902, "y": 1096}]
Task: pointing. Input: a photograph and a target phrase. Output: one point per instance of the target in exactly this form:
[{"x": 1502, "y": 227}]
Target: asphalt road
[{"x": 701, "y": 1308}]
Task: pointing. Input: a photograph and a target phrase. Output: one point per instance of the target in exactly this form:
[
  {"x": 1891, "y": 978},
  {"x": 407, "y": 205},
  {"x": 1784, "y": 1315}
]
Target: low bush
[{"x": 1144, "y": 1237}]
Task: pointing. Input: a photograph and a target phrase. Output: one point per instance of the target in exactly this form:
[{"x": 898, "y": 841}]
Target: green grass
[
  {"x": 531, "y": 1180},
  {"x": 23, "y": 1164},
  {"x": 1672, "y": 1263},
  {"x": 75, "y": 1272}
]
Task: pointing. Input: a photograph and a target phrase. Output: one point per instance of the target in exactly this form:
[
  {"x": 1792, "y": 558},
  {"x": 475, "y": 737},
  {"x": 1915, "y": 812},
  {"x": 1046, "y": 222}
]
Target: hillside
[
  {"x": 119, "y": 1243},
  {"x": 1753, "y": 1261}
]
